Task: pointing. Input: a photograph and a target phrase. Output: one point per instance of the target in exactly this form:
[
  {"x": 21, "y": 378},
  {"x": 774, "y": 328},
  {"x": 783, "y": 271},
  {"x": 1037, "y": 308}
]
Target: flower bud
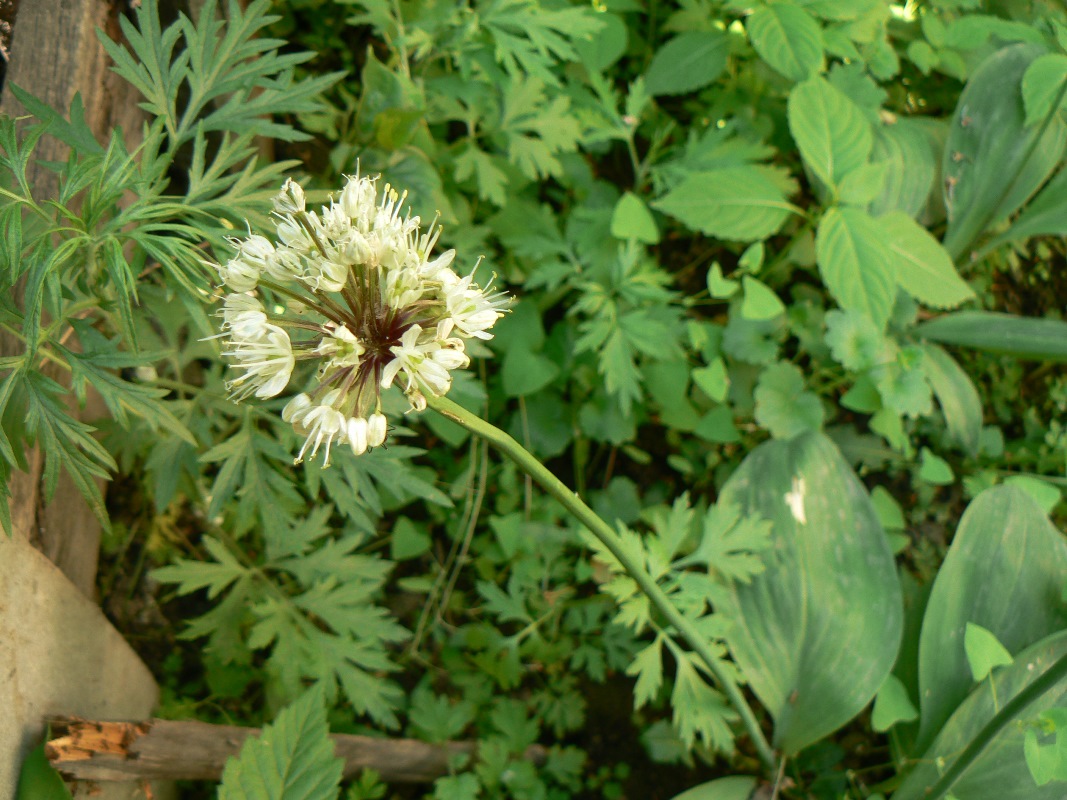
[
  {"x": 290, "y": 200},
  {"x": 239, "y": 274},
  {"x": 376, "y": 429},
  {"x": 357, "y": 435},
  {"x": 296, "y": 409}
]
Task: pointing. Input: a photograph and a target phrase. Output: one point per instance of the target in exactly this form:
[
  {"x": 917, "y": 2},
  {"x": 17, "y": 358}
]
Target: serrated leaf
[
  {"x": 922, "y": 267},
  {"x": 739, "y": 203},
  {"x": 783, "y": 406},
  {"x": 851, "y": 251},
  {"x": 906, "y": 149},
  {"x": 700, "y": 712},
  {"x": 788, "y": 38},
  {"x": 730, "y": 546},
  {"x": 854, "y": 340},
  {"x": 291, "y": 759},
  {"x": 647, "y": 666},
  {"x": 832, "y": 134},
  {"x": 688, "y": 62},
  {"x": 1043, "y": 81}
]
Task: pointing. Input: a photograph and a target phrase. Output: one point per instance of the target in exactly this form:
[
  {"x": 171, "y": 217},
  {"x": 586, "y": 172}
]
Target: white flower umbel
[{"x": 355, "y": 289}]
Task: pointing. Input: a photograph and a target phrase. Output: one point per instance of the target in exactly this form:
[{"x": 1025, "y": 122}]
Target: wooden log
[{"x": 160, "y": 749}]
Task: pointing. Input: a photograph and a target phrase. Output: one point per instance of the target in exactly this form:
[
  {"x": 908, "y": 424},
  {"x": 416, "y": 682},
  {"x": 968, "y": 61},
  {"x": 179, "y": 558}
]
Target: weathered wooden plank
[{"x": 190, "y": 750}]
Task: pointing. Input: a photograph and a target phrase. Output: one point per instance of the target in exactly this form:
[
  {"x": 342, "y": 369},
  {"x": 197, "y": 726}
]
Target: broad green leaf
[
  {"x": 863, "y": 184},
  {"x": 956, "y": 395},
  {"x": 526, "y": 372},
  {"x": 921, "y": 265},
  {"x": 905, "y": 148},
  {"x": 760, "y": 300},
  {"x": 993, "y": 162},
  {"x": 1000, "y": 772},
  {"x": 292, "y": 759},
  {"x": 1023, "y": 337},
  {"x": 735, "y": 787},
  {"x": 742, "y": 203},
  {"x": 688, "y": 62},
  {"x": 632, "y": 220},
  {"x": 984, "y": 651},
  {"x": 607, "y": 46},
  {"x": 1005, "y": 566},
  {"x": 1045, "y": 216},
  {"x": 853, "y": 259},
  {"x": 1043, "y": 493},
  {"x": 828, "y": 602},
  {"x": 38, "y": 779},
  {"x": 783, "y": 406},
  {"x": 788, "y": 38},
  {"x": 892, "y": 705},
  {"x": 833, "y": 135},
  {"x": 407, "y": 540},
  {"x": 1043, "y": 82}
]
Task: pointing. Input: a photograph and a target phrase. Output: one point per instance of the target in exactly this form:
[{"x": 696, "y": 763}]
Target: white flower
[
  {"x": 243, "y": 316},
  {"x": 341, "y": 347},
  {"x": 267, "y": 360},
  {"x": 323, "y": 424},
  {"x": 290, "y": 200},
  {"x": 297, "y": 408},
  {"x": 357, "y": 287},
  {"x": 358, "y": 199},
  {"x": 417, "y": 362},
  {"x": 472, "y": 311},
  {"x": 239, "y": 274}
]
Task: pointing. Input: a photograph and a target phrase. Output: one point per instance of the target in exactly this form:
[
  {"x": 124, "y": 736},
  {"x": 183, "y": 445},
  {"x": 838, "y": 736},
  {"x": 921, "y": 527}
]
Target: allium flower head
[{"x": 356, "y": 290}]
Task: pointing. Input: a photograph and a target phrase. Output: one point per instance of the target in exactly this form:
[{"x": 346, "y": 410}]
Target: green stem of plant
[
  {"x": 610, "y": 539},
  {"x": 1000, "y": 720}
]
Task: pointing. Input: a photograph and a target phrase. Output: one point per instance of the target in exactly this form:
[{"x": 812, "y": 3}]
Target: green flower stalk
[{"x": 367, "y": 303}]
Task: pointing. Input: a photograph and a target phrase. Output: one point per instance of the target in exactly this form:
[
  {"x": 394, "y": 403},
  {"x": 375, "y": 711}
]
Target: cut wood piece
[{"x": 188, "y": 750}]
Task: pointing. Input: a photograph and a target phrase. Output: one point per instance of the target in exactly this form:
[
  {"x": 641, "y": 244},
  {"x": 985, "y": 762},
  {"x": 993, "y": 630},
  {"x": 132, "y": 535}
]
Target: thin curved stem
[
  {"x": 610, "y": 539},
  {"x": 1000, "y": 720}
]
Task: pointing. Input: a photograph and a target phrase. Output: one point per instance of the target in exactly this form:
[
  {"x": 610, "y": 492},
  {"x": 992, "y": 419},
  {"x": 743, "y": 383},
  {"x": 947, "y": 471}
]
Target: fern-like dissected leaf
[{"x": 292, "y": 759}]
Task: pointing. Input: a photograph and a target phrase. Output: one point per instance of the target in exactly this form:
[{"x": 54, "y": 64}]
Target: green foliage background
[{"x": 825, "y": 234}]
